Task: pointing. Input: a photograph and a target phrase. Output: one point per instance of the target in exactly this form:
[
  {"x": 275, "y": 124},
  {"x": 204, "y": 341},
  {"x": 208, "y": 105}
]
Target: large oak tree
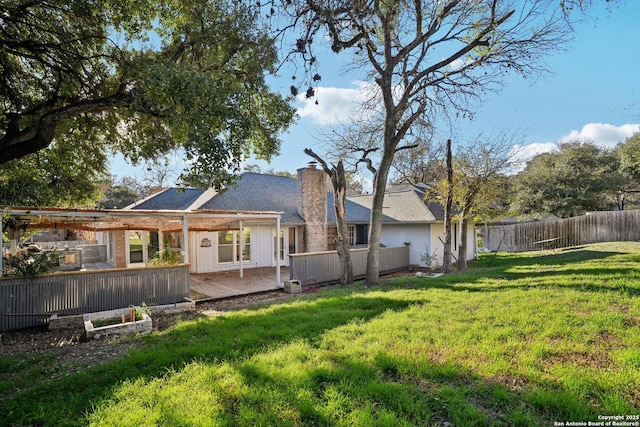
[
  {"x": 140, "y": 77},
  {"x": 428, "y": 60},
  {"x": 579, "y": 177}
]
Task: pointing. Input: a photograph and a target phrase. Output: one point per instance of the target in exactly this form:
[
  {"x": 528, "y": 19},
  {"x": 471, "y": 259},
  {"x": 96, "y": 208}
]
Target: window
[
  {"x": 246, "y": 251},
  {"x": 292, "y": 240},
  {"x": 275, "y": 245},
  {"x": 225, "y": 246},
  {"x": 229, "y": 250},
  {"x": 352, "y": 235},
  {"x": 362, "y": 234}
]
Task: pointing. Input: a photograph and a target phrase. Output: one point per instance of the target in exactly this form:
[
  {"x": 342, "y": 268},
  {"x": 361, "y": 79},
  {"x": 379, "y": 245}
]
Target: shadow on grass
[
  {"x": 222, "y": 339},
  {"x": 593, "y": 278},
  {"x": 567, "y": 256},
  {"x": 440, "y": 392}
]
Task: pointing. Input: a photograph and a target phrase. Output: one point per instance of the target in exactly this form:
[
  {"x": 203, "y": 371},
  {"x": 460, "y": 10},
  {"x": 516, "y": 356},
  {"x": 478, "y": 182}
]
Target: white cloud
[
  {"x": 521, "y": 154},
  {"x": 336, "y": 105},
  {"x": 602, "y": 134}
]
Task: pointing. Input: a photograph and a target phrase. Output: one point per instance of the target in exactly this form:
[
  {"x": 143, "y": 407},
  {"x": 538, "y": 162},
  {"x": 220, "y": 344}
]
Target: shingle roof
[
  {"x": 257, "y": 192},
  {"x": 272, "y": 193},
  {"x": 356, "y": 213},
  {"x": 401, "y": 204},
  {"x": 170, "y": 199},
  {"x": 436, "y": 209}
]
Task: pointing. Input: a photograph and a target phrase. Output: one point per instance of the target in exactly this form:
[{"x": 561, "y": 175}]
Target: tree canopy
[
  {"x": 140, "y": 77},
  {"x": 428, "y": 61},
  {"x": 578, "y": 178}
]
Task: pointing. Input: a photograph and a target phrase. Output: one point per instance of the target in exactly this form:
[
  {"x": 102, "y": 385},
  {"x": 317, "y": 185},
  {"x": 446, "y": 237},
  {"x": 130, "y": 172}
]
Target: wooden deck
[{"x": 227, "y": 284}]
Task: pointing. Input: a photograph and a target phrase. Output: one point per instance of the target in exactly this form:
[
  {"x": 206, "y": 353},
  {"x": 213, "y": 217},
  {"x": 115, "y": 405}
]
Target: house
[
  {"x": 258, "y": 222},
  {"x": 306, "y": 223}
]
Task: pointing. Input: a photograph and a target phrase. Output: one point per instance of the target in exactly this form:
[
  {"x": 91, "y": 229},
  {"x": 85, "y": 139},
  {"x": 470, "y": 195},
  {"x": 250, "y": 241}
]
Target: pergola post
[
  {"x": 160, "y": 237},
  {"x": 278, "y": 251},
  {"x": 185, "y": 239},
  {"x": 241, "y": 248}
]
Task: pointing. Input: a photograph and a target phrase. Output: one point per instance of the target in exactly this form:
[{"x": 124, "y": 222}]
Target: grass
[{"x": 532, "y": 339}]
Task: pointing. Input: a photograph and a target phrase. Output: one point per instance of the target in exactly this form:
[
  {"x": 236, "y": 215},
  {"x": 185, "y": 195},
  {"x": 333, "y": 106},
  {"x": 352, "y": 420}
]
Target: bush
[{"x": 29, "y": 263}]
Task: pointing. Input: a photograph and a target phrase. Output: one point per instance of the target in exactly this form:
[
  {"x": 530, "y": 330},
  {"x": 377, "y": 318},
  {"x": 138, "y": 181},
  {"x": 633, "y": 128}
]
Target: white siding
[
  {"x": 418, "y": 235},
  {"x": 205, "y": 259},
  {"x": 437, "y": 230},
  {"x": 262, "y": 246}
]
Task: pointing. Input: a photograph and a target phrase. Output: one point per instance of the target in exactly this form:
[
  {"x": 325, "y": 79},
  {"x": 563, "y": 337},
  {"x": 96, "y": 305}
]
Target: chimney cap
[{"x": 312, "y": 164}]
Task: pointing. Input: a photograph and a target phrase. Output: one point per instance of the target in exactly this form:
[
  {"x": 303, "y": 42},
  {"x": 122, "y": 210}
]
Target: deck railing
[
  {"x": 30, "y": 301},
  {"x": 324, "y": 267}
]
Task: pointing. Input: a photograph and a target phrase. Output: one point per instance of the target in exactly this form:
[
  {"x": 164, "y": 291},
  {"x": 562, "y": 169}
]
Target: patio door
[
  {"x": 141, "y": 247},
  {"x": 288, "y": 238}
]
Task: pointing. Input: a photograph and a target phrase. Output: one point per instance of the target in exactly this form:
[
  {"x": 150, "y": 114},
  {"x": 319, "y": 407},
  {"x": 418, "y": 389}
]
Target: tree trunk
[
  {"x": 462, "y": 249},
  {"x": 446, "y": 257},
  {"x": 339, "y": 182},
  {"x": 375, "y": 223}
]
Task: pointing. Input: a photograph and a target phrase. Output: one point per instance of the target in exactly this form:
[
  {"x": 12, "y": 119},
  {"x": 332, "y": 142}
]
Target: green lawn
[{"x": 533, "y": 339}]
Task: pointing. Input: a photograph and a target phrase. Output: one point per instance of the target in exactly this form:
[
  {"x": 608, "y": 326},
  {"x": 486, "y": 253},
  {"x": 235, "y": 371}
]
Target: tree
[
  {"x": 574, "y": 180},
  {"x": 141, "y": 78},
  {"x": 448, "y": 206},
  {"x": 628, "y": 154},
  {"x": 420, "y": 164},
  {"x": 427, "y": 60},
  {"x": 59, "y": 175},
  {"x": 628, "y": 157},
  {"x": 478, "y": 168},
  {"x": 157, "y": 174},
  {"x": 339, "y": 185},
  {"x": 122, "y": 192}
]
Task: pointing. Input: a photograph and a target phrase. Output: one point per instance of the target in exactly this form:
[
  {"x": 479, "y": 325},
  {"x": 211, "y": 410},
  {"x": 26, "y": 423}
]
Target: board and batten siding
[
  {"x": 437, "y": 230},
  {"x": 417, "y": 235},
  {"x": 206, "y": 258}
]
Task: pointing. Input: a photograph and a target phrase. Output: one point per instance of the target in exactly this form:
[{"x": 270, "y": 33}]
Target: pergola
[{"x": 25, "y": 218}]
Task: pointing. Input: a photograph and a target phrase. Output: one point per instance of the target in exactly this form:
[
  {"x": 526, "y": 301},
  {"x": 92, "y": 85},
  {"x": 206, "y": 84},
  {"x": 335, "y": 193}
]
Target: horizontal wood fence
[
  {"x": 324, "y": 267},
  {"x": 614, "y": 226},
  {"x": 30, "y": 301}
]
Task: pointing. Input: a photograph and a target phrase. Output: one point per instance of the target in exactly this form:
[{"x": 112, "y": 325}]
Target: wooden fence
[
  {"x": 594, "y": 227},
  {"x": 26, "y": 302},
  {"x": 324, "y": 267}
]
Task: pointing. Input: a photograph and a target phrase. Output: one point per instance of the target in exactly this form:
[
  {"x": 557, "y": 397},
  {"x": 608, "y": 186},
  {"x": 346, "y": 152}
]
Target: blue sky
[{"x": 593, "y": 92}]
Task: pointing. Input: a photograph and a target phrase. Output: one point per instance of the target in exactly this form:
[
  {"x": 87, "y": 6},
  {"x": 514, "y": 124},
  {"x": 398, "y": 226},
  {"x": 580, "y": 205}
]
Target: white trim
[
  {"x": 278, "y": 252},
  {"x": 185, "y": 240},
  {"x": 202, "y": 199},
  {"x": 241, "y": 255}
]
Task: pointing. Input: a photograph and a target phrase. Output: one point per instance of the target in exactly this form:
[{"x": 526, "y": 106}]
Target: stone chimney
[{"x": 312, "y": 206}]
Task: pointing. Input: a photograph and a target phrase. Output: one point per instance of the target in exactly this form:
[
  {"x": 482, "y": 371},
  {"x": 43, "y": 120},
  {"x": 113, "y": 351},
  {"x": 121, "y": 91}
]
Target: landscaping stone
[{"x": 138, "y": 326}]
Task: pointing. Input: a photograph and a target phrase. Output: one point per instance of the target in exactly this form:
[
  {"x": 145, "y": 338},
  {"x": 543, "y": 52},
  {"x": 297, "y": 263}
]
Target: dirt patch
[
  {"x": 71, "y": 346},
  {"x": 70, "y": 352}
]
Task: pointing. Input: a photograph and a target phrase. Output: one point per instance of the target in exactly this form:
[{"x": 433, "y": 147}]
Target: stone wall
[{"x": 312, "y": 206}]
